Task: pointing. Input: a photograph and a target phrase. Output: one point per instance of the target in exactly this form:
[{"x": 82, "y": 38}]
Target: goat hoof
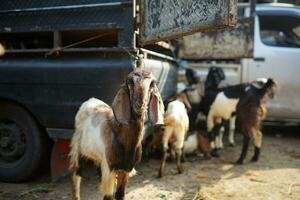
[
  {"x": 107, "y": 198},
  {"x": 239, "y": 162},
  {"x": 159, "y": 175},
  {"x": 121, "y": 197},
  {"x": 254, "y": 159},
  {"x": 180, "y": 171},
  {"x": 214, "y": 153},
  {"x": 231, "y": 144},
  {"x": 207, "y": 157}
]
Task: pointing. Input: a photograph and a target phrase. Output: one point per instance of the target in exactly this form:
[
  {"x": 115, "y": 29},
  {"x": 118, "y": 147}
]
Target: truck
[
  {"x": 274, "y": 52},
  {"x": 60, "y": 53}
]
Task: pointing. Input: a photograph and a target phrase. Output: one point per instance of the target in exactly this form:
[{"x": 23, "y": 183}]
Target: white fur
[
  {"x": 92, "y": 143},
  {"x": 222, "y": 108},
  {"x": 177, "y": 124},
  {"x": 88, "y": 141},
  {"x": 219, "y": 138},
  {"x": 232, "y": 130},
  {"x": 191, "y": 144},
  {"x": 259, "y": 82}
]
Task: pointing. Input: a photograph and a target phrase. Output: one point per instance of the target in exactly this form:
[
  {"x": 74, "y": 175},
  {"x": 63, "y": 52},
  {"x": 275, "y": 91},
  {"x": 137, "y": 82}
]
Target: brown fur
[
  {"x": 251, "y": 110},
  {"x": 122, "y": 180},
  {"x": 203, "y": 145},
  {"x": 182, "y": 97}
]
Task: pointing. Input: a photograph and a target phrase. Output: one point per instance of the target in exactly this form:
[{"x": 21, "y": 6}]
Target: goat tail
[{"x": 75, "y": 151}]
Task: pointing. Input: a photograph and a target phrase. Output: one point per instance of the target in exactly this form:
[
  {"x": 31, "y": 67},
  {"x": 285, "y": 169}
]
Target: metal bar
[
  {"x": 95, "y": 49},
  {"x": 243, "y": 5},
  {"x": 158, "y": 54},
  {"x": 68, "y": 7}
]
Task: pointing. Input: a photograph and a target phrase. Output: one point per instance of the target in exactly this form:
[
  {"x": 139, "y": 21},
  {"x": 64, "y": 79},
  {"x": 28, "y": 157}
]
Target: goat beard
[{"x": 139, "y": 110}]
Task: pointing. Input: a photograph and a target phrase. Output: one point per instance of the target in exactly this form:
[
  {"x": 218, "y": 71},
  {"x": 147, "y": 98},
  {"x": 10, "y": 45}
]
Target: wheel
[{"x": 23, "y": 145}]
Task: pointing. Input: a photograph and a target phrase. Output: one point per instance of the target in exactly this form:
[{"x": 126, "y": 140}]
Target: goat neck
[{"x": 126, "y": 144}]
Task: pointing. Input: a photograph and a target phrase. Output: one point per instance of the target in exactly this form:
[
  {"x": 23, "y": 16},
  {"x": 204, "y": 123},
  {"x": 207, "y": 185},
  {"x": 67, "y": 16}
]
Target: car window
[
  {"x": 296, "y": 30},
  {"x": 280, "y": 31}
]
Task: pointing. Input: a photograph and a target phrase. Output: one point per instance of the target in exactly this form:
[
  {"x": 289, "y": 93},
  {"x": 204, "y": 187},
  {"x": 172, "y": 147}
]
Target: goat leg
[
  {"x": 219, "y": 139},
  {"x": 183, "y": 157},
  {"x": 257, "y": 139},
  {"x": 256, "y": 154},
  {"x": 215, "y": 131},
  {"x": 231, "y": 130},
  {"x": 122, "y": 179},
  {"x": 178, "y": 160},
  {"x": 107, "y": 184},
  {"x": 243, "y": 155},
  {"x": 162, "y": 163},
  {"x": 76, "y": 179}
]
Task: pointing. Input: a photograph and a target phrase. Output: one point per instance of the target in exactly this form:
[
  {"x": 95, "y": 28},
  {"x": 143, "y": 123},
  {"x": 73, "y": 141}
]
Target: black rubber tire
[{"x": 36, "y": 147}]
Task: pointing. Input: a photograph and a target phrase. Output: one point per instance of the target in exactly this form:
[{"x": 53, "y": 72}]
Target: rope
[
  {"x": 137, "y": 58},
  {"x": 58, "y": 50}
]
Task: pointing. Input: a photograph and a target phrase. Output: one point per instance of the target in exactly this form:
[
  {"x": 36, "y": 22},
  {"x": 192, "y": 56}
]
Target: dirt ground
[{"x": 275, "y": 177}]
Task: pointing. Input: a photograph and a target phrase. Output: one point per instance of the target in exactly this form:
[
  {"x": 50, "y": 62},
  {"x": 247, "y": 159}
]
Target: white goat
[
  {"x": 111, "y": 136},
  {"x": 176, "y": 127}
]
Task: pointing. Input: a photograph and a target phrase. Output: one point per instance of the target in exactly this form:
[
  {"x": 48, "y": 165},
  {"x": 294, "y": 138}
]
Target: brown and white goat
[
  {"x": 111, "y": 136},
  {"x": 222, "y": 109},
  {"x": 176, "y": 125},
  {"x": 251, "y": 110}
]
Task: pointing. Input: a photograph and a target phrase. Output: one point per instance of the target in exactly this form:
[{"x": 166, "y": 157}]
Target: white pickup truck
[
  {"x": 277, "y": 54},
  {"x": 276, "y": 48}
]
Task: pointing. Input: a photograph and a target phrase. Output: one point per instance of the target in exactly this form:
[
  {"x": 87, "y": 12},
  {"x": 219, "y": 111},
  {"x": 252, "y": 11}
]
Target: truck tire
[{"x": 23, "y": 145}]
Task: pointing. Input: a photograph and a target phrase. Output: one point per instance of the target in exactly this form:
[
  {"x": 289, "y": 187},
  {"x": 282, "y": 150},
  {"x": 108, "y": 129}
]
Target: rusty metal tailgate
[{"x": 161, "y": 20}]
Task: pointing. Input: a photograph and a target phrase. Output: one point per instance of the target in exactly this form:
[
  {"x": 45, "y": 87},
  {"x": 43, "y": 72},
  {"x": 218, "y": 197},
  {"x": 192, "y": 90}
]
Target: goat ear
[
  {"x": 156, "y": 107},
  {"x": 121, "y": 107}
]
